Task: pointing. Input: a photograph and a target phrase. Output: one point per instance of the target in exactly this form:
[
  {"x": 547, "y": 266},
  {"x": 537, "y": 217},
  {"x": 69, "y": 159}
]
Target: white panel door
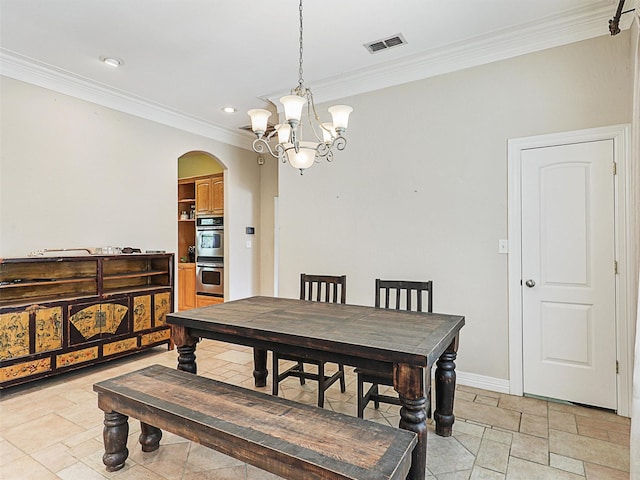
[{"x": 568, "y": 291}]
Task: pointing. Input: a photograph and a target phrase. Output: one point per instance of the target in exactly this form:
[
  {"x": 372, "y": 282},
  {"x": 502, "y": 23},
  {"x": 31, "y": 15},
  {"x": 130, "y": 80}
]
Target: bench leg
[
  {"x": 115, "y": 433},
  {"x": 149, "y": 437}
]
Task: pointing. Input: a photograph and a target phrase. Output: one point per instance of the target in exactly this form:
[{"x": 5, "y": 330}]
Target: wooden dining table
[{"x": 405, "y": 343}]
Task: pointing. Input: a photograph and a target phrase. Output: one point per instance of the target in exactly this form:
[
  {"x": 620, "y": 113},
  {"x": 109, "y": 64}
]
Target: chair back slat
[
  {"x": 405, "y": 294},
  {"x": 323, "y": 288}
]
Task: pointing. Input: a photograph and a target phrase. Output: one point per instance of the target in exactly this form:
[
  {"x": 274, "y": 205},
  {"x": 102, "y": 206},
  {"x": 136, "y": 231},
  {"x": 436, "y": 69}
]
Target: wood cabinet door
[
  {"x": 141, "y": 312},
  {"x": 203, "y": 196},
  {"x": 186, "y": 287},
  {"x": 93, "y": 321},
  {"x": 14, "y": 334},
  {"x": 205, "y": 300},
  {"x": 181, "y": 287},
  {"x": 217, "y": 190}
]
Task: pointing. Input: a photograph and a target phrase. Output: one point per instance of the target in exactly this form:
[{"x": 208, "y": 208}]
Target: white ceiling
[{"x": 186, "y": 59}]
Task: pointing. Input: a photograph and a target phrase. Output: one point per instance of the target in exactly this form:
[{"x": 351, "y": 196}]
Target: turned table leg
[
  {"x": 445, "y": 390},
  {"x": 408, "y": 382},
  {"x": 115, "y": 433},
  {"x": 186, "y": 346}
]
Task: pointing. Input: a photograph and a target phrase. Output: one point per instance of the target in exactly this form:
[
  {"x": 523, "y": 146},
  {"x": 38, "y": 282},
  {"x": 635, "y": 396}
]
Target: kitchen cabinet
[
  {"x": 62, "y": 313},
  {"x": 210, "y": 195},
  {"x": 186, "y": 286},
  {"x": 205, "y": 300}
]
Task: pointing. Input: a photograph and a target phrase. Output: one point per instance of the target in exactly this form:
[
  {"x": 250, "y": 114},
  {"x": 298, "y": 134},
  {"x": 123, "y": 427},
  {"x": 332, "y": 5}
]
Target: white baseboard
[{"x": 481, "y": 381}]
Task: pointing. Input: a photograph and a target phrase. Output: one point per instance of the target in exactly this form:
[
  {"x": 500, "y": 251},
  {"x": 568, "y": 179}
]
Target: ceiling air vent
[{"x": 379, "y": 45}]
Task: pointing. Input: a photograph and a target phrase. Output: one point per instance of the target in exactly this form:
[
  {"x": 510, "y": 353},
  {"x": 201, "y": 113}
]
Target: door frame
[{"x": 620, "y": 134}]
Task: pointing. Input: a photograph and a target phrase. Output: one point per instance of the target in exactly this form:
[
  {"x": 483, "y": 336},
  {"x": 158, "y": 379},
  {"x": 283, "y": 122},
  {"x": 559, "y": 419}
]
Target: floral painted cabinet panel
[
  {"x": 97, "y": 321},
  {"x": 25, "y": 332}
]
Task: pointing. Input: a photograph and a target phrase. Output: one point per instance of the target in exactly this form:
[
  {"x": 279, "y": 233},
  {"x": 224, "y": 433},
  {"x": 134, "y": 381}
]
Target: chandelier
[{"x": 290, "y": 146}]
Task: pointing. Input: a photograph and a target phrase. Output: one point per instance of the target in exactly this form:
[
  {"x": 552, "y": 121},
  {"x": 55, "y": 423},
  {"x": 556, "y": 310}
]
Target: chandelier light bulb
[
  {"x": 340, "y": 116},
  {"x": 305, "y": 157},
  {"x": 293, "y": 106},
  {"x": 259, "y": 119},
  {"x": 284, "y": 133}
]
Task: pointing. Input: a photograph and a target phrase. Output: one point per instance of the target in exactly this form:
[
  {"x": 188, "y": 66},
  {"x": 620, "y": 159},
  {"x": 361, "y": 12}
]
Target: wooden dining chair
[
  {"x": 398, "y": 295},
  {"x": 318, "y": 288}
]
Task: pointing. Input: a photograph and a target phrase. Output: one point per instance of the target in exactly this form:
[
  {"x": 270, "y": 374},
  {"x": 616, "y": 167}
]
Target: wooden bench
[{"x": 289, "y": 439}]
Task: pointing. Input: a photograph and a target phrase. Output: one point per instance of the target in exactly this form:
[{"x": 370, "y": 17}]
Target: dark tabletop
[{"x": 413, "y": 338}]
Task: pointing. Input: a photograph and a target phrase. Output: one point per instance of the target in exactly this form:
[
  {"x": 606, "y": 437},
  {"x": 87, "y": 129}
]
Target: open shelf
[
  {"x": 125, "y": 273},
  {"x": 37, "y": 279},
  {"x": 147, "y": 273}
]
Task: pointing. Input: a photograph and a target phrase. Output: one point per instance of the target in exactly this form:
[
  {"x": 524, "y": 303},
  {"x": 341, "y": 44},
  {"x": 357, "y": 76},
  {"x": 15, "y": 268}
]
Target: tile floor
[{"x": 52, "y": 429}]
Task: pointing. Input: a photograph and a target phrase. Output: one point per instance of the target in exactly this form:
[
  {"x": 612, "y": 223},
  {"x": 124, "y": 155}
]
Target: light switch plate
[{"x": 503, "y": 246}]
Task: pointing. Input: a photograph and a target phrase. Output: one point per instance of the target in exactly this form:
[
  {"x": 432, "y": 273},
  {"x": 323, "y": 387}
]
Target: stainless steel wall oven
[
  {"x": 210, "y": 256},
  {"x": 209, "y": 239},
  {"x": 210, "y": 279}
]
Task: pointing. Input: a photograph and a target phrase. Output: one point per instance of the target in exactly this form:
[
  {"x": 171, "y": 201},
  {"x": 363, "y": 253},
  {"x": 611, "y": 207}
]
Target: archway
[{"x": 195, "y": 168}]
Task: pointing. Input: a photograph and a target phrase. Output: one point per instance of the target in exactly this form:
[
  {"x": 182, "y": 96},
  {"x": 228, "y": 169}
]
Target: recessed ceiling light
[
  {"x": 111, "y": 61},
  {"x": 228, "y": 109}
]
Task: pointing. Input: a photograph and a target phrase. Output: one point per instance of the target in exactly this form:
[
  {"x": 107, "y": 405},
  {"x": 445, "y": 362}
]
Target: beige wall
[
  {"x": 421, "y": 190},
  {"x": 75, "y": 174},
  {"x": 266, "y": 232}
]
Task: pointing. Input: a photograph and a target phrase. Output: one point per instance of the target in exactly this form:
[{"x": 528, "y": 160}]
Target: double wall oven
[{"x": 210, "y": 256}]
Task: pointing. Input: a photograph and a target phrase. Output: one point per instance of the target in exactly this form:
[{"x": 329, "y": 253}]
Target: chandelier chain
[{"x": 300, "y": 79}]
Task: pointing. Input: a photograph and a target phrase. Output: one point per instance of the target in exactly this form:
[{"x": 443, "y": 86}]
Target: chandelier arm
[
  {"x": 326, "y": 155},
  {"x": 282, "y": 153},
  {"x": 260, "y": 145},
  {"x": 340, "y": 143},
  {"x": 322, "y": 150}
]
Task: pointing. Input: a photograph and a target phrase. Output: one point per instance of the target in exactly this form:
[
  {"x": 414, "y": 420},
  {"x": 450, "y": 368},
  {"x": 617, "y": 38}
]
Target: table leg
[
  {"x": 408, "y": 382},
  {"x": 260, "y": 371},
  {"x": 445, "y": 390},
  {"x": 186, "y": 346}
]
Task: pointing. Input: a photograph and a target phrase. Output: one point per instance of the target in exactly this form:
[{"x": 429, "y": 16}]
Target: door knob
[{"x": 530, "y": 283}]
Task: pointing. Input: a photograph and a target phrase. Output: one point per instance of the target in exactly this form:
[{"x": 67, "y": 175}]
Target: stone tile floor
[{"x": 52, "y": 429}]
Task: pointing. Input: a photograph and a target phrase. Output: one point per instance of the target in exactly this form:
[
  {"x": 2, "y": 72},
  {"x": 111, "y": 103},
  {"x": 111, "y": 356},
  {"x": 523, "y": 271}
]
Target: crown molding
[
  {"x": 576, "y": 26},
  {"x": 30, "y": 71}
]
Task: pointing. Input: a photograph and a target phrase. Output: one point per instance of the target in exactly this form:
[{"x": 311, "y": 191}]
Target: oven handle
[{"x": 210, "y": 265}]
